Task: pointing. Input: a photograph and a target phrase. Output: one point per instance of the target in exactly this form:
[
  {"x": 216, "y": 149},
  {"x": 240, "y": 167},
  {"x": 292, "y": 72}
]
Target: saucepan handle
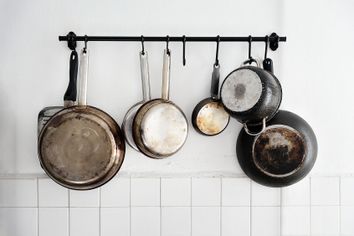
[
  {"x": 83, "y": 78},
  {"x": 70, "y": 94},
  {"x": 215, "y": 77},
  {"x": 145, "y": 76},
  {"x": 257, "y": 133},
  {"x": 166, "y": 74},
  {"x": 250, "y": 61}
]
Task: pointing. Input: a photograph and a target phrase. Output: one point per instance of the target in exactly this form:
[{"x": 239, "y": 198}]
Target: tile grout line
[
  {"x": 99, "y": 212},
  {"x": 37, "y": 181},
  {"x": 281, "y": 212},
  {"x": 160, "y": 208},
  {"x": 220, "y": 212},
  {"x": 191, "y": 206},
  {"x": 130, "y": 206},
  {"x": 310, "y": 204},
  {"x": 69, "y": 213}
]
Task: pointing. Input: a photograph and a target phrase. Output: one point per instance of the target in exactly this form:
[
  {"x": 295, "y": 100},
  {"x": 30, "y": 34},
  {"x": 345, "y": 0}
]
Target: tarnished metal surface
[
  {"x": 279, "y": 151},
  {"x": 127, "y": 125},
  {"x": 241, "y": 90},
  {"x": 212, "y": 118},
  {"x": 45, "y": 114},
  {"x": 164, "y": 129},
  {"x": 81, "y": 147}
]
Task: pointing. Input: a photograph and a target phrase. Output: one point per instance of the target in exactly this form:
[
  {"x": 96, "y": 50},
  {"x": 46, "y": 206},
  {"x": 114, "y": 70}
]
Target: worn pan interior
[{"x": 81, "y": 147}]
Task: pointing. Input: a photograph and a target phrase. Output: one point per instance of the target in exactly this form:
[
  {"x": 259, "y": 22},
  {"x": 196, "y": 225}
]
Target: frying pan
[
  {"x": 282, "y": 154},
  {"x": 160, "y": 127},
  {"x": 251, "y": 94},
  {"x": 81, "y": 147},
  {"x": 209, "y": 116},
  {"x": 69, "y": 98},
  {"x": 127, "y": 125}
]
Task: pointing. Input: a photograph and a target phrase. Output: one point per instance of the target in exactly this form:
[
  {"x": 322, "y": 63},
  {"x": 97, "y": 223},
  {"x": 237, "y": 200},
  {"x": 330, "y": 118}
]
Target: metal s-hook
[
  {"x": 184, "y": 49},
  {"x": 167, "y": 41},
  {"x": 266, "y": 46},
  {"x": 250, "y": 48},
  {"x": 85, "y": 47},
  {"x": 217, "y": 51},
  {"x": 142, "y": 45}
]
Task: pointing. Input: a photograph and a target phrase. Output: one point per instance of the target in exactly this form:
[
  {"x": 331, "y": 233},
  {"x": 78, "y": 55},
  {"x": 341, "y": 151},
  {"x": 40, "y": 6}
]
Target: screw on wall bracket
[
  {"x": 71, "y": 40},
  {"x": 273, "y": 41}
]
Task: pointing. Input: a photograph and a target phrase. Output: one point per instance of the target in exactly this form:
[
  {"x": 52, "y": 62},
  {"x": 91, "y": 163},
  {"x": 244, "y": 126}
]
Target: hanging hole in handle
[
  {"x": 142, "y": 45},
  {"x": 217, "y": 51},
  {"x": 264, "y": 125}
]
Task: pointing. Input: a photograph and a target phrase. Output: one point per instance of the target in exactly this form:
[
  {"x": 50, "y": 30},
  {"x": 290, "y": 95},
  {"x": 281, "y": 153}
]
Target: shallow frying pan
[
  {"x": 127, "y": 125},
  {"x": 81, "y": 147},
  {"x": 282, "y": 154},
  {"x": 160, "y": 127},
  {"x": 69, "y": 98},
  {"x": 209, "y": 116}
]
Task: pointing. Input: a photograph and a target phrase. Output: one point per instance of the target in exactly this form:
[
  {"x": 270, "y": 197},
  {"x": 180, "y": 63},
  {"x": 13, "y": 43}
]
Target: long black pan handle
[
  {"x": 268, "y": 65},
  {"x": 214, "y": 89},
  {"x": 70, "y": 94}
]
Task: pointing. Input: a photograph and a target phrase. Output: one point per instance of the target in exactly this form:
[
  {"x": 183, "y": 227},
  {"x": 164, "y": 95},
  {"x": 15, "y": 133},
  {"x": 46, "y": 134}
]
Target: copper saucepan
[{"x": 81, "y": 147}]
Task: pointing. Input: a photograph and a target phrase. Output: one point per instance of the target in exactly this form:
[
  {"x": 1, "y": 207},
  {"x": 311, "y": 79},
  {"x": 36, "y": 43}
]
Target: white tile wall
[{"x": 198, "y": 206}]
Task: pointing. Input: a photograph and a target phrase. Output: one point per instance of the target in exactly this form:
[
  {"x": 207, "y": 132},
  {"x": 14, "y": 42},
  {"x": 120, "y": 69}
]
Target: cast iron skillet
[
  {"x": 81, "y": 147},
  {"x": 282, "y": 154}
]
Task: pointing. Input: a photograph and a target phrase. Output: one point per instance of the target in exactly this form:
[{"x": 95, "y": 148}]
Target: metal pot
[
  {"x": 282, "y": 154},
  {"x": 81, "y": 147},
  {"x": 251, "y": 94},
  {"x": 160, "y": 127}
]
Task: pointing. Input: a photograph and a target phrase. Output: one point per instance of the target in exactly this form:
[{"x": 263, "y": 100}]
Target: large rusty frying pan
[
  {"x": 160, "y": 127},
  {"x": 282, "y": 154},
  {"x": 81, "y": 147}
]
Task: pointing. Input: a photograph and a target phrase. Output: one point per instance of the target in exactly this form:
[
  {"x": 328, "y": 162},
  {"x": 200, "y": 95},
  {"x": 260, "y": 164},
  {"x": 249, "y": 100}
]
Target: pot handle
[
  {"x": 70, "y": 94},
  {"x": 145, "y": 76},
  {"x": 258, "y": 133},
  {"x": 215, "y": 77},
  {"x": 166, "y": 74},
  {"x": 83, "y": 78},
  {"x": 250, "y": 61}
]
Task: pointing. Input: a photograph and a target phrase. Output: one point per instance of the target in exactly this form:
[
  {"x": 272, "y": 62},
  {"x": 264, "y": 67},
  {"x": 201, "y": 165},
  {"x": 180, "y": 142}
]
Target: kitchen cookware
[
  {"x": 251, "y": 94},
  {"x": 69, "y": 97},
  {"x": 267, "y": 62},
  {"x": 282, "y": 154},
  {"x": 209, "y": 116},
  {"x": 81, "y": 147},
  {"x": 127, "y": 125},
  {"x": 160, "y": 127}
]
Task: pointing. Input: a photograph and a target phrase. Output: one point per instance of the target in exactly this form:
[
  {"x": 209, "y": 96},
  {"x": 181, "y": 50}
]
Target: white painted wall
[{"x": 314, "y": 67}]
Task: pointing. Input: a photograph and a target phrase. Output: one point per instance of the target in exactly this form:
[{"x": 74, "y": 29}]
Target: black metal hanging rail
[{"x": 274, "y": 39}]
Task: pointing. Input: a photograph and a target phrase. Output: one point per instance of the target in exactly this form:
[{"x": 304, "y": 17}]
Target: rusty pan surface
[{"x": 81, "y": 147}]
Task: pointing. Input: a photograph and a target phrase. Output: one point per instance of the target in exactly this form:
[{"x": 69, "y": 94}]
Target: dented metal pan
[{"x": 81, "y": 147}]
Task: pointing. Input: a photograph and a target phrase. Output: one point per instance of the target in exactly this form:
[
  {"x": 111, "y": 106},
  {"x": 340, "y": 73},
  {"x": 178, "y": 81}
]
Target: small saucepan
[
  {"x": 251, "y": 94},
  {"x": 81, "y": 147},
  {"x": 209, "y": 116},
  {"x": 160, "y": 127},
  {"x": 127, "y": 125},
  {"x": 282, "y": 154}
]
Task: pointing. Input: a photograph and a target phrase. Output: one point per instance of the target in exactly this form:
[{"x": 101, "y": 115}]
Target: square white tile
[
  {"x": 235, "y": 221},
  {"x": 295, "y": 220},
  {"x": 176, "y": 221},
  {"x": 347, "y": 191},
  {"x": 145, "y": 192},
  {"x": 265, "y": 221},
  {"x": 264, "y": 196},
  {"x": 145, "y": 221},
  {"x": 18, "y": 193},
  {"x": 53, "y": 221},
  {"x": 18, "y": 221},
  {"x": 324, "y": 191},
  {"x": 236, "y": 191},
  {"x": 324, "y": 220},
  {"x": 206, "y": 221},
  {"x": 51, "y": 194},
  {"x": 84, "y": 221},
  {"x": 175, "y": 191},
  {"x": 347, "y": 216},
  {"x": 297, "y": 194},
  {"x": 89, "y": 198},
  {"x": 206, "y": 191},
  {"x": 115, "y": 221},
  {"x": 116, "y": 193}
]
